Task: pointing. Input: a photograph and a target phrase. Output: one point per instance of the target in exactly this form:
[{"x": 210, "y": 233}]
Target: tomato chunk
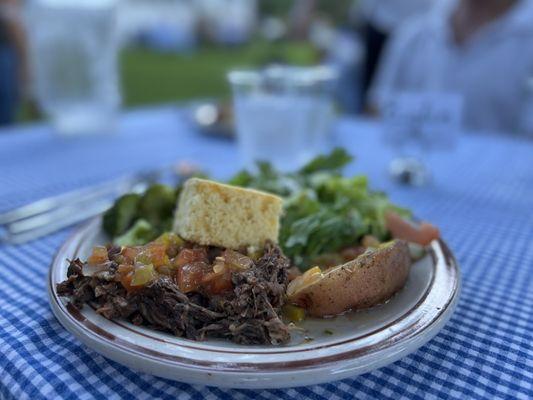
[
  {"x": 423, "y": 234},
  {"x": 124, "y": 269},
  {"x": 98, "y": 256},
  {"x": 217, "y": 283},
  {"x": 155, "y": 254},
  {"x": 187, "y": 256},
  {"x": 189, "y": 276},
  {"x": 129, "y": 254},
  {"x": 126, "y": 282}
]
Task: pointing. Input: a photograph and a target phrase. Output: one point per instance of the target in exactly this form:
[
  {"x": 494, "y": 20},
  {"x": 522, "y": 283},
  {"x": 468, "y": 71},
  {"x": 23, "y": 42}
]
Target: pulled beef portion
[
  {"x": 252, "y": 309},
  {"x": 248, "y": 314}
]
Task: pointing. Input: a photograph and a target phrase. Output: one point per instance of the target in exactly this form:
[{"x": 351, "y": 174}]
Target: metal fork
[{"x": 51, "y": 214}]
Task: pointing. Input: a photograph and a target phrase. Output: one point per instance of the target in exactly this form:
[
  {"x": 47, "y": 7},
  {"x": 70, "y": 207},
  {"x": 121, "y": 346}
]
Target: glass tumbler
[
  {"x": 416, "y": 124},
  {"x": 283, "y": 114},
  {"x": 73, "y": 52}
]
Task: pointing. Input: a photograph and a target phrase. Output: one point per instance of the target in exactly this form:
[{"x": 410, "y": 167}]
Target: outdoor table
[{"x": 481, "y": 197}]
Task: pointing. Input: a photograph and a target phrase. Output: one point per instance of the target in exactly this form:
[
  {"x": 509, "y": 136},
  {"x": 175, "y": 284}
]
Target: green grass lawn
[{"x": 149, "y": 77}]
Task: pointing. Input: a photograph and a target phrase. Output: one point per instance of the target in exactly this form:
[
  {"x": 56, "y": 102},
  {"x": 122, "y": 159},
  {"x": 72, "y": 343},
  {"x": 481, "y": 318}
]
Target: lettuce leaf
[
  {"x": 334, "y": 161},
  {"x": 324, "y": 212}
]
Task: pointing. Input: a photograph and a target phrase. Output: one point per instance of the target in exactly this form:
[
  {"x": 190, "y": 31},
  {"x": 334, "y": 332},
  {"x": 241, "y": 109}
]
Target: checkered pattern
[{"x": 482, "y": 198}]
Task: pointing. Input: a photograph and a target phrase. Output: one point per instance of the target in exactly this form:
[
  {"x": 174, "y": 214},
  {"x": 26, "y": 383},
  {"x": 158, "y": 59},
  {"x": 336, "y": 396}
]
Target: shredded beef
[{"x": 249, "y": 314}]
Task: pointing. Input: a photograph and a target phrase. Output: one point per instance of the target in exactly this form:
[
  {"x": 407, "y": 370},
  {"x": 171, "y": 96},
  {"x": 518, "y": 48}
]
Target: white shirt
[
  {"x": 387, "y": 15},
  {"x": 492, "y": 72}
]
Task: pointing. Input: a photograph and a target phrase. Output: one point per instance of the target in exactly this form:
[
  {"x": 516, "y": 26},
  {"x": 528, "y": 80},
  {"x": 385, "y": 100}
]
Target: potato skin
[{"x": 370, "y": 279}]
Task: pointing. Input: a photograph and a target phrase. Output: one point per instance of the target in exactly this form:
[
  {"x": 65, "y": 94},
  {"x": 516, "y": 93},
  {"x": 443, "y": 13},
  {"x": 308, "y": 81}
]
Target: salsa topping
[
  {"x": 193, "y": 268},
  {"x": 188, "y": 290}
]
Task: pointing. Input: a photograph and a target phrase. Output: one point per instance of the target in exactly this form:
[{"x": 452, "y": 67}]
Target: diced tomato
[
  {"x": 217, "y": 283},
  {"x": 189, "y": 276},
  {"x": 129, "y": 254},
  {"x": 422, "y": 234},
  {"x": 126, "y": 282},
  {"x": 187, "y": 256},
  {"x": 98, "y": 256},
  {"x": 124, "y": 269},
  {"x": 157, "y": 254}
]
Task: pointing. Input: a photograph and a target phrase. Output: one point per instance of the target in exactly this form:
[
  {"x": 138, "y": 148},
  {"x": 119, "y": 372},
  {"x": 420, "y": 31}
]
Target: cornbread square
[{"x": 211, "y": 213}]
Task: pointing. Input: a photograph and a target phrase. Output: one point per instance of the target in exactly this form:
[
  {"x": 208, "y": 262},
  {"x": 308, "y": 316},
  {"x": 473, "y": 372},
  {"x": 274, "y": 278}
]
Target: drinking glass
[
  {"x": 415, "y": 124},
  {"x": 73, "y": 51},
  {"x": 283, "y": 114}
]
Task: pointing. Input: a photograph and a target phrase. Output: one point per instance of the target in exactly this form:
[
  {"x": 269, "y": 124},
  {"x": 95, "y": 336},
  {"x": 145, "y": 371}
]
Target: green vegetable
[
  {"x": 323, "y": 211},
  {"x": 143, "y": 275},
  {"x": 338, "y": 158},
  {"x": 122, "y": 215},
  {"x": 293, "y": 313},
  {"x": 157, "y": 206},
  {"x": 139, "y": 234}
]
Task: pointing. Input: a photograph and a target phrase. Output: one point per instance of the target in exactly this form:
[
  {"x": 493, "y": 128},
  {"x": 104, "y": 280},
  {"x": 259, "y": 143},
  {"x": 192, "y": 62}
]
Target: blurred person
[
  {"x": 380, "y": 18},
  {"x": 304, "y": 14},
  {"x": 228, "y": 22},
  {"x": 479, "y": 50},
  {"x": 301, "y": 16},
  {"x": 13, "y": 60}
]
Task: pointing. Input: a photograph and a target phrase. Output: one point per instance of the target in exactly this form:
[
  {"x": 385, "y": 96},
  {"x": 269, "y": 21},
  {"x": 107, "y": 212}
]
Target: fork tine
[
  {"x": 92, "y": 192},
  {"x": 46, "y": 229}
]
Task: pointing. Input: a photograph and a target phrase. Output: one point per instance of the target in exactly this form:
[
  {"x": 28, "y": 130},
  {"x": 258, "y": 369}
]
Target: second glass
[
  {"x": 73, "y": 49},
  {"x": 283, "y": 114}
]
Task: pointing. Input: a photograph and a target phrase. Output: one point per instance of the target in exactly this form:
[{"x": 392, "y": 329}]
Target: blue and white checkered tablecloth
[{"x": 482, "y": 199}]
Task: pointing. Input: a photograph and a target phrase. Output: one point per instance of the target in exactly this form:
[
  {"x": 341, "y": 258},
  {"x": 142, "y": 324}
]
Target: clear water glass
[
  {"x": 416, "y": 124},
  {"x": 73, "y": 51},
  {"x": 283, "y": 114}
]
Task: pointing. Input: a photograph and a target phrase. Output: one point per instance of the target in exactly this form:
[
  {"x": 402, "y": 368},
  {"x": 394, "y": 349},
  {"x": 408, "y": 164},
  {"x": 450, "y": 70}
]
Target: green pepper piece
[
  {"x": 143, "y": 275},
  {"x": 121, "y": 216},
  {"x": 293, "y": 313}
]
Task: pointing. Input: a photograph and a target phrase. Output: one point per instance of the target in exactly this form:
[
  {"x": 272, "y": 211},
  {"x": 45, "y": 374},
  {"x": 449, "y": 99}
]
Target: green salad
[{"x": 324, "y": 212}]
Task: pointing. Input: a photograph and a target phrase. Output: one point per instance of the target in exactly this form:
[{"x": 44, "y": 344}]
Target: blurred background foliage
[{"x": 150, "y": 77}]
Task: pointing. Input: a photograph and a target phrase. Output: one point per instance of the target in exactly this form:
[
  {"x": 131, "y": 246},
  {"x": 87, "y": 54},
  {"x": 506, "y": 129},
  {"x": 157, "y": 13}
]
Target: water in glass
[
  {"x": 74, "y": 56},
  {"x": 282, "y": 117}
]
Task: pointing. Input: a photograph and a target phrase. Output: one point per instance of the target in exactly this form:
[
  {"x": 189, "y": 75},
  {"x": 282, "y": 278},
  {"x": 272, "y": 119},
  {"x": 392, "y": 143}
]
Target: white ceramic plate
[{"x": 330, "y": 349}]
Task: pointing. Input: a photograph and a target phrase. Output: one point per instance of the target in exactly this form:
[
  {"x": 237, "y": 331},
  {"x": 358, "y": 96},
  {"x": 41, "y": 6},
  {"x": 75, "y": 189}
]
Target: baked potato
[{"x": 370, "y": 279}]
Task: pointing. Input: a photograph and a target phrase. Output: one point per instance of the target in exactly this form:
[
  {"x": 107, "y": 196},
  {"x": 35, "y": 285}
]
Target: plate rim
[{"x": 117, "y": 349}]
